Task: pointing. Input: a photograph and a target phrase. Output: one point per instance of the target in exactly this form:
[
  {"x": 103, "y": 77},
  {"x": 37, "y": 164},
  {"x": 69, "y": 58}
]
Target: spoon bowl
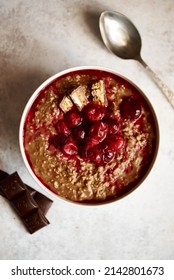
[
  {"x": 120, "y": 35},
  {"x": 123, "y": 39}
]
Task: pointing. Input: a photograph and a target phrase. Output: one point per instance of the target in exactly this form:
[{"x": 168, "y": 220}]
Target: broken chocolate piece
[
  {"x": 43, "y": 202},
  {"x": 29, "y": 204},
  {"x": 12, "y": 186},
  {"x": 31, "y": 190},
  {"x": 99, "y": 93},
  {"x": 66, "y": 104},
  {"x": 79, "y": 97},
  {"x": 24, "y": 204},
  {"x": 35, "y": 221},
  {"x": 3, "y": 175}
]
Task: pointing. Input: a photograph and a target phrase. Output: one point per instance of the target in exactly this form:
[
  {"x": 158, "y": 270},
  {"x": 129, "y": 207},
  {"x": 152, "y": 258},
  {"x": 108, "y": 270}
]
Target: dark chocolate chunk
[
  {"x": 3, "y": 175},
  {"x": 24, "y": 204},
  {"x": 35, "y": 221},
  {"x": 31, "y": 190},
  {"x": 12, "y": 186},
  {"x": 29, "y": 204},
  {"x": 43, "y": 202}
]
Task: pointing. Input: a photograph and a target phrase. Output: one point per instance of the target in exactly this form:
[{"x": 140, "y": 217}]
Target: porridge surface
[{"x": 89, "y": 136}]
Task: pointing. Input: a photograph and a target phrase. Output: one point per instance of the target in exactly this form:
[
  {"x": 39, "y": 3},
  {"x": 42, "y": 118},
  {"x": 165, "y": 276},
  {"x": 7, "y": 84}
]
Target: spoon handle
[{"x": 167, "y": 92}]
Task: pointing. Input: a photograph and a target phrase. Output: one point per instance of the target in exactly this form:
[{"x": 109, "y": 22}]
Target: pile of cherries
[{"x": 92, "y": 133}]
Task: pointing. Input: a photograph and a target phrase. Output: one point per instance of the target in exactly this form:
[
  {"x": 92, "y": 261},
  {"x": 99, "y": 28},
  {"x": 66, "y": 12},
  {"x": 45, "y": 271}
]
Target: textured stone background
[{"x": 40, "y": 38}]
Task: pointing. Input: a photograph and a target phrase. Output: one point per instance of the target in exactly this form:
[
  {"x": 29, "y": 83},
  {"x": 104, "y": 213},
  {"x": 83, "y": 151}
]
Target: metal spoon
[{"x": 123, "y": 39}]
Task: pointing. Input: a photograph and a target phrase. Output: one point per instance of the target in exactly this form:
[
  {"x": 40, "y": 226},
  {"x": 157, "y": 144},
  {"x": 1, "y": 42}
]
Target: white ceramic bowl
[{"x": 35, "y": 95}]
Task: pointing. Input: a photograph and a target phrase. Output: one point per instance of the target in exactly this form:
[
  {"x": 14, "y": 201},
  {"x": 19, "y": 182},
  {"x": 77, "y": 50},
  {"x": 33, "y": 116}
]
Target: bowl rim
[{"x": 33, "y": 98}]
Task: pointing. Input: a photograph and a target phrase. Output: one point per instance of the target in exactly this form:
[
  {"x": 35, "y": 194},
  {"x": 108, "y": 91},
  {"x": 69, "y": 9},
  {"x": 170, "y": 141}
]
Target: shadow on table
[
  {"x": 91, "y": 17},
  {"x": 92, "y": 21},
  {"x": 16, "y": 86}
]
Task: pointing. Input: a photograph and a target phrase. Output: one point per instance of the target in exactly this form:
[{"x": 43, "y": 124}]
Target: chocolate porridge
[{"x": 89, "y": 136}]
